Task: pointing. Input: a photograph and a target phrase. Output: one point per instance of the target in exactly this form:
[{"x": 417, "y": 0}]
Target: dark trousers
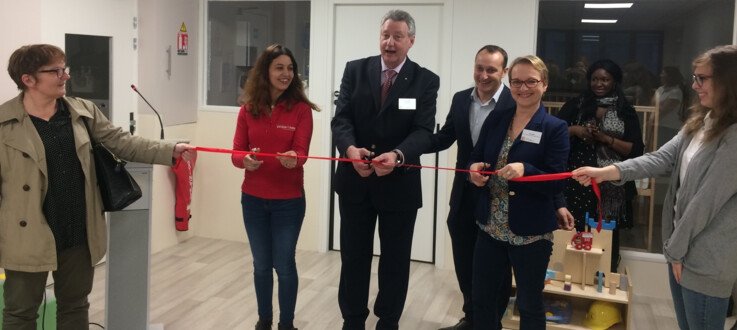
[
  {"x": 493, "y": 261},
  {"x": 463, "y": 230},
  {"x": 273, "y": 227},
  {"x": 24, "y": 292},
  {"x": 357, "y": 223}
]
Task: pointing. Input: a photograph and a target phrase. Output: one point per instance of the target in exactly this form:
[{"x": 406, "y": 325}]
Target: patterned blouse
[{"x": 498, "y": 225}]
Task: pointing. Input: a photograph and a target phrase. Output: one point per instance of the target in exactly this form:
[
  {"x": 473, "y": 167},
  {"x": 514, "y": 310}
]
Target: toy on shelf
[
  {"x": 599, "y": 281},
  {"x": 582, "y": 240},
  {"x": 550, "y": 275},
  {"x": 613, "y": 283},
  {"x": 567, "y": 283},
  {"x": 558, "y": 310},
  {"x": 605, "y": 224},
  {"x": 602, "y": 315},
  {"x": 623, "y": 282}
]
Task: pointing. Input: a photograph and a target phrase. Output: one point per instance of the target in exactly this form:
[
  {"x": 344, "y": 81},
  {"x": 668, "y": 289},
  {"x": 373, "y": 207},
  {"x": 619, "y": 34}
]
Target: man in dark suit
[
  {"x": 386, "y": 108},
  {"x": 469, "y": 110}
]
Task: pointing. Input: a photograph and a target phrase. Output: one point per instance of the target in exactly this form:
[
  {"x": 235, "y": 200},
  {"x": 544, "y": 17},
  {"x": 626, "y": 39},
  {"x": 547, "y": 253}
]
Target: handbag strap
[{"x": 89, "y": 132}]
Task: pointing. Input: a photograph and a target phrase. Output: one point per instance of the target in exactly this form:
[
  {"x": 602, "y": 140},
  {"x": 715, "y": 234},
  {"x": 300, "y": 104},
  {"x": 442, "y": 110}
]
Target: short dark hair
[
  {"x": 28, "y": 59},
  {"x": 398, "y": 15},
  {"x": 495, "y": 49}
]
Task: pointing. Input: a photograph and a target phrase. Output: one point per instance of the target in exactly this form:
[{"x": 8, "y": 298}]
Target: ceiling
[{"x": 642, "y": 16}]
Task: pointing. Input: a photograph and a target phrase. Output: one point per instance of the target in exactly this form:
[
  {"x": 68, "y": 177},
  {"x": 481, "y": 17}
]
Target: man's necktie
[{"x": 387, "y": 84}]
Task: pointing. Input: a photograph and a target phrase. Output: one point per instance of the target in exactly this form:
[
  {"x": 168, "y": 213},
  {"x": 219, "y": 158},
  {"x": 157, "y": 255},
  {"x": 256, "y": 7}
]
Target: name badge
[
  {"x": 531, "y": 136},
  {"x": 407, "y": 104}
]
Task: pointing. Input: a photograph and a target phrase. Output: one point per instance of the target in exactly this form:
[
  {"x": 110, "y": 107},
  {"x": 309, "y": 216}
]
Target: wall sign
[{"x": 182, "y": 40}]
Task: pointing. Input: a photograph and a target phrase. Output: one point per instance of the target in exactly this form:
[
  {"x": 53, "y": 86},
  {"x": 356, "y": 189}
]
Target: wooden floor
[{"x": 208, "y": 284}]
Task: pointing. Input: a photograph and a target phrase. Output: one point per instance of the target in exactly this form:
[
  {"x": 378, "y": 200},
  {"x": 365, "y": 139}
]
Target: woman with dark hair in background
[
  {"x": 276, "y": 118},
  {"x": 604, "y": 129},
  {"x": 700, "y": 208}
]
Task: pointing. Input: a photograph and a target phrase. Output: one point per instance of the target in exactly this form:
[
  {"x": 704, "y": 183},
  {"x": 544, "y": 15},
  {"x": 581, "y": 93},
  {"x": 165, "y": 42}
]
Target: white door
[{"x": 356, "y": 35}]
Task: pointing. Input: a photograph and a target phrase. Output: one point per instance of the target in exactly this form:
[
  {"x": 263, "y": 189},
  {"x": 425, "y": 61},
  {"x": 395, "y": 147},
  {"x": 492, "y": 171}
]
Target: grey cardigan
[{"x": 704, "y": 237}]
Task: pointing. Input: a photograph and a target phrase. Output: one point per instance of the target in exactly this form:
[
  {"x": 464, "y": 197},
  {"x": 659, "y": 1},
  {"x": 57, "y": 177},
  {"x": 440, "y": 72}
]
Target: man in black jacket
[
  {"x": 386, "y": 109},
  {"x": 468, "y": 112}
]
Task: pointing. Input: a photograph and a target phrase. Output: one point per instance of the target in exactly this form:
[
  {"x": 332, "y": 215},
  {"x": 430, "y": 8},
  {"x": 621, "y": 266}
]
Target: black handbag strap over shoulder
[{"x": 89, "y": 131}]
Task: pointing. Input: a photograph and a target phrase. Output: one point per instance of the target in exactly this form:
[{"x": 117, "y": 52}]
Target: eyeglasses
[
  {"x": 60, "y": 72},
  {"x": 700, "y": 78},
  {"x": 530, "y": 83}
]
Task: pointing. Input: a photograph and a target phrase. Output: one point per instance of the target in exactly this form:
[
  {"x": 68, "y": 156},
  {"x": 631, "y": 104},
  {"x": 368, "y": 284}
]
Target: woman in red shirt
[{"x": 276, "y": 118}]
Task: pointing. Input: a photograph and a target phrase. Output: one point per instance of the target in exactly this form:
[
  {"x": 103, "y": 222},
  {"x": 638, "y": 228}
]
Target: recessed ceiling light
[
  {"x": 600, "y": 21},
  {"x": 608, "y": 5}
]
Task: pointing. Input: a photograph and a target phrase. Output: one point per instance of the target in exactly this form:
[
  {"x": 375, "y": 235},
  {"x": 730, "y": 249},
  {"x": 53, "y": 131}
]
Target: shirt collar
[
  {"x": 494, "y": 97},
  {"x": 397, "y": 69}
]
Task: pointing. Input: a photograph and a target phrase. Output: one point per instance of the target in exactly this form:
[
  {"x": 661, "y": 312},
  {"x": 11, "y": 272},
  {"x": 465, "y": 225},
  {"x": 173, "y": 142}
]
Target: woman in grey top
[{"x": 700, "y": 213}]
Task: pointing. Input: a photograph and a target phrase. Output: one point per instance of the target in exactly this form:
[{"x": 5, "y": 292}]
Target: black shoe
[
  {"x": 288, "y": 326},
  {"x": 463, "y": 324},
  {"x": 263, "y": 324}
]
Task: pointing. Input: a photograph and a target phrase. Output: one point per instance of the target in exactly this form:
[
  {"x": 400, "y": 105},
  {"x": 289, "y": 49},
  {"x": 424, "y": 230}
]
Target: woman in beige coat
[{"x": 51, "y": 216}]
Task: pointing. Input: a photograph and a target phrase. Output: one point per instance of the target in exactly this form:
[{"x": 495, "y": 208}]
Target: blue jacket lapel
[
  {"x": 464, "y": 109},
  {"x": 535, "y": 124}
]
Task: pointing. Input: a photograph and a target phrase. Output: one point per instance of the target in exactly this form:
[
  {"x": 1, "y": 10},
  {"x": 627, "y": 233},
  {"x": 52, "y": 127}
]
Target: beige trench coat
[{"x": 26, "y": 241}]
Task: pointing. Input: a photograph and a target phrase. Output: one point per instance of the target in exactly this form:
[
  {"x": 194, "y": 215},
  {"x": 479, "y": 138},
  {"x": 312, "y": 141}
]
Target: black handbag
[{"x": 117, "y": 186}]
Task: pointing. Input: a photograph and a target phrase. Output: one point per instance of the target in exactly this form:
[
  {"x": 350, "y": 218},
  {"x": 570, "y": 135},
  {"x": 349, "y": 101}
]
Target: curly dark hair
[{"x": 588, "y": 101}]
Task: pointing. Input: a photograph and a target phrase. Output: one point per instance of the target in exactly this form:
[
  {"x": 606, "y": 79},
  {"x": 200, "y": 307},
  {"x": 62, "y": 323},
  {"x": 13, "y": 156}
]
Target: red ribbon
[{"x": 529, "y": 178}]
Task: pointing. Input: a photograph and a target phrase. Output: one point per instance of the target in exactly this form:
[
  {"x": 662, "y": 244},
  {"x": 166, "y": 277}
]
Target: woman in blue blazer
[{"x": 517, "y": 219}]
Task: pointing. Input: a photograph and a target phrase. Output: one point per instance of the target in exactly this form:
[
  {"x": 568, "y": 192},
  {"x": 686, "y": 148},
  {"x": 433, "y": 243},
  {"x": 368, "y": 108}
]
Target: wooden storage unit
[
  {"x": 581, "y": 299},
  {"x": 581, "y": 265}
]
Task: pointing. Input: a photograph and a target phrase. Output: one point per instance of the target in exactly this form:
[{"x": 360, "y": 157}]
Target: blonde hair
[
  {"x": 723, "y": 62},
  {"x": 535, "y": 62}
]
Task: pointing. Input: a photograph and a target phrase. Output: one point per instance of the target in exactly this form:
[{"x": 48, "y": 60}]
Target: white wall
[
  {"x": 174, "y": 96},
  {"x": 113, "y": 18},
  {"x": 16, "y": 32}
]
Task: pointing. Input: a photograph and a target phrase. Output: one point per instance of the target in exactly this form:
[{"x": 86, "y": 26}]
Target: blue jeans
[
  {"x": 273, "y": 226},
  {"x": 697, "y": 311}
]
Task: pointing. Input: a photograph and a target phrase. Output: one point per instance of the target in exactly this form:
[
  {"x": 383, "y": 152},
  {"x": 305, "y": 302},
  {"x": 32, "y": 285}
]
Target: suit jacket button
[
  {"x": 26, "y": 187},
  {"x": 23, "y": 223},
  {"x": 25, "y": 155},
  {"x": 512, "y": 193}
]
